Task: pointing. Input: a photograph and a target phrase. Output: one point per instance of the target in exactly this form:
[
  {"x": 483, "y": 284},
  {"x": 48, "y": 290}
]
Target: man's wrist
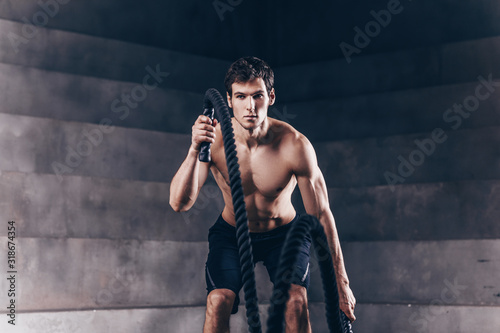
[
  {"x": 342, "y": 281},
  {"x": 193, "y": 150}
]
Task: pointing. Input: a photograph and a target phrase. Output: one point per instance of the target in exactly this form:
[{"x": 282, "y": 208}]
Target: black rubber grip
[{"x": 204, "y": 155}]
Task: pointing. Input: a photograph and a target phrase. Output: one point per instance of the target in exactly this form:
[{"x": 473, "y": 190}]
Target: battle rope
[
  {"x": 213, "y": 100},
  {"x": 306, "y": 224}
]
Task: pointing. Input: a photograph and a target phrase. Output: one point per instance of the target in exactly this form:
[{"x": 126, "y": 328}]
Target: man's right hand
[
  {"x": 203, "y": 131},
  {"x": 188, "y": 180}
]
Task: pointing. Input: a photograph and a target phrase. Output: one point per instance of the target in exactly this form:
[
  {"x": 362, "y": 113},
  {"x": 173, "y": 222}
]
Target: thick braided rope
[
  {"x": 337, "y": 321},
  {"x": 214, "y": 99}
]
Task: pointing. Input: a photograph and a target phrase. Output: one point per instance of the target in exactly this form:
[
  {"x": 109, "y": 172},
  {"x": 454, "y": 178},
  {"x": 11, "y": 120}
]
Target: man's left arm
[{"x": 315, "y": 197}]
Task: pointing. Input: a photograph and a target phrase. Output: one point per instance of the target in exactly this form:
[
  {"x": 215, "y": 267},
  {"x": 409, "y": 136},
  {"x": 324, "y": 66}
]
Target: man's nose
[{"x": 251, "y": 104}]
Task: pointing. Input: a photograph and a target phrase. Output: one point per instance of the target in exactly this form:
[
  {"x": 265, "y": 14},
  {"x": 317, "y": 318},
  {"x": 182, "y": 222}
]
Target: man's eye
[
  {"x": 240, "y": 96},
  {"x": 258, "y": 96}
]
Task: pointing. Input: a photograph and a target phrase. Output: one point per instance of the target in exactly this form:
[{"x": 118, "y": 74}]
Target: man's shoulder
[
  {"x": 284, "y": 128},
  {"x": 291, "y": 138}
]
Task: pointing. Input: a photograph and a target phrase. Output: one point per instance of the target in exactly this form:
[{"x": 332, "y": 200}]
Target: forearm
[
  {"x": 327, "y": 220},
  {"x": 347, "y": 301},
  {"x": 315, "y": 197},
  {"x": 185, "y": 184}
]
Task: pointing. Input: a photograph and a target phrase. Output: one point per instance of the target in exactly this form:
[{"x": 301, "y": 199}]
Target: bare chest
[{"x": 264, "y": 172}]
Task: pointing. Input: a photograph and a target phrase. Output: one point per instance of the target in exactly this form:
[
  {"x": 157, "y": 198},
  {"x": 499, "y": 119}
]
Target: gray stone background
[{"x": 85, "y": 172}]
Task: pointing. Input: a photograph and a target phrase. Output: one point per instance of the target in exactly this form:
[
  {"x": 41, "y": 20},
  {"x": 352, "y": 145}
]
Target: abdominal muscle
[{"x": 264, "y": 213}]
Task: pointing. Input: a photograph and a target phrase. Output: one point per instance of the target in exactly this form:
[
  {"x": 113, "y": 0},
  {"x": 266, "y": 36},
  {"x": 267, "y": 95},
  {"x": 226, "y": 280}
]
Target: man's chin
[{"x": 249, "y": 126}]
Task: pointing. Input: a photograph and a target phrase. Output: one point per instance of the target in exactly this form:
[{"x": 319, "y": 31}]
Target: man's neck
[{"x": 253, "y": 137}]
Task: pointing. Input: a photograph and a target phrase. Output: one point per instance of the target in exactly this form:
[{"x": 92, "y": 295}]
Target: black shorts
[{"x": 222, "y": 269}]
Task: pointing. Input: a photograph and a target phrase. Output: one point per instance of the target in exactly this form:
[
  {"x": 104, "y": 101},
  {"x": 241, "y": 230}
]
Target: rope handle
[{"x": 205, "y": 155}]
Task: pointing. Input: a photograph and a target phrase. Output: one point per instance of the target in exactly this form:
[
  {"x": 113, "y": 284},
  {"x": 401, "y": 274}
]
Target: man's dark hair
[{"x": 246, "y": 69}]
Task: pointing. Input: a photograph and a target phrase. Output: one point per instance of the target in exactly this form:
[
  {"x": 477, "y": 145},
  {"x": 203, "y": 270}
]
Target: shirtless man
[{"x": 273, "y": 158}]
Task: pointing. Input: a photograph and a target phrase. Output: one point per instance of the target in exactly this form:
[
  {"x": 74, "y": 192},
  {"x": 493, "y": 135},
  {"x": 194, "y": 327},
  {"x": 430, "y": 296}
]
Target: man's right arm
[{"x": 192, "y": 174}]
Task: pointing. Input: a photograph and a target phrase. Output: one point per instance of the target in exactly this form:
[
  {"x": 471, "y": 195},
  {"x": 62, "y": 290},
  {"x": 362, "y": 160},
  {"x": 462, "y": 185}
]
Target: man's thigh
[
  {"x": 222, "y": 269},
  {"x": 299, "y": 274}
]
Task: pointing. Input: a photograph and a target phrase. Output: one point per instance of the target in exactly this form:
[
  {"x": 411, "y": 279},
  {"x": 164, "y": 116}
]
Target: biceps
[{"x": 314, "y": 193}]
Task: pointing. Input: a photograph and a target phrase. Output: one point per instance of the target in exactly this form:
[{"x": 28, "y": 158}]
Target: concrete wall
[
  {"x": 417, "y": 248},
  {"x": 86, "y": 175},
  {"x": 283, "y": 32},
  {"x": 87, "y": 181}
]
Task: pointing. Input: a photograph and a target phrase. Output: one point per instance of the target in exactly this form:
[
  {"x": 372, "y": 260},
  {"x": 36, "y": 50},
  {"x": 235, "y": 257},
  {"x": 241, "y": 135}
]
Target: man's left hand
[{"x": 347, "y": 301}]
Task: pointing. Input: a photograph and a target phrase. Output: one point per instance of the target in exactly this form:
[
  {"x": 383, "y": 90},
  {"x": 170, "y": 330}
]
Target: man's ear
[
  {"x": 272, "y": 96},
  {"x": 229, "y": 100}
]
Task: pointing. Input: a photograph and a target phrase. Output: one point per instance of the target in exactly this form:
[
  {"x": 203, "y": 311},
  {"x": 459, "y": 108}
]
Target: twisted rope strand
[
  {"x": 214, "y": 99},
  {"x": 306, "y": 224}
]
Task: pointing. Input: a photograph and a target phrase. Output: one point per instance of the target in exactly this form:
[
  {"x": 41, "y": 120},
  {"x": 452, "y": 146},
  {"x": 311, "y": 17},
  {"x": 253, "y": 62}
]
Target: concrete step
[
  {"x": 91, "y": 207},
  {"x": 452, "y": 156},
  {"x": 430, "y": 211},
  {"x": 196, "y": 28},
  {"x": 38, "y": 145},
  {"x": 74, "y": 53},
  {"x": 165, "y": 320},
  {"x": 105, "y": 274},
  {"x": 80, "y": 98},
  {"x": 462, "y": 272},
  {"x": 437, "y": 316},
  {"x": 152, "y": 320},
  {"x": 392, "y": 113},
  {"x": 389, "y": 318},
  {"x": 452, "y": 63},
  {"x": 416, "y": 24},
  {"x": 415, "y": 212},
  {"x": 189, "y": 26},
  {"x": 97, "y": 273},
  {"x": 88, "y": 207},
  {"x": 73, "y": 97},
  {"x": 406, "y": 69},
  {"x": 58, "y": 274},
  {"x": 433, "y": 317}
]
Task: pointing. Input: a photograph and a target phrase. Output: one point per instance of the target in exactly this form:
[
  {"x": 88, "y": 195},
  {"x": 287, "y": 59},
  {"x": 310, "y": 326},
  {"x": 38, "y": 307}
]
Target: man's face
[{"x": 249, "y": 102}]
